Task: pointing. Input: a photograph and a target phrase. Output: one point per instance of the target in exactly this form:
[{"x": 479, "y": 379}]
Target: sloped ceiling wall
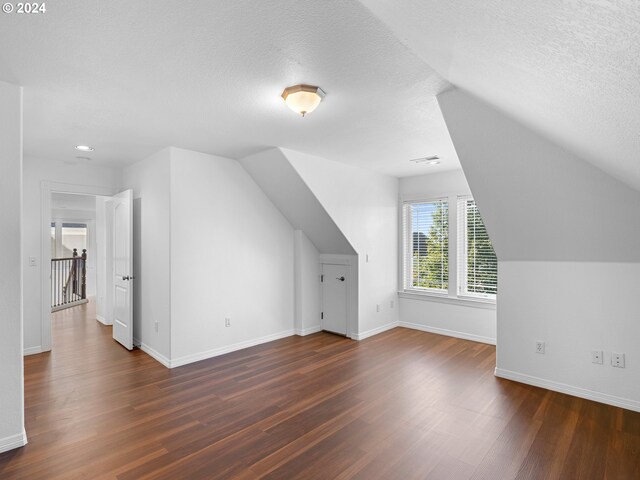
[
  {"x": 539, "y": 201},
  {"x": 290, "y": 194},
  {"x": 568, "y": 69}
]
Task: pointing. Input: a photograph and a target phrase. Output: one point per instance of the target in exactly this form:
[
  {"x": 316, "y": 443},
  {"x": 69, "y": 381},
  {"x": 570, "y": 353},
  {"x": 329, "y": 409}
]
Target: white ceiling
[
  {"x": 130, "y": 78},
  {"x": 569, "y": 69}
]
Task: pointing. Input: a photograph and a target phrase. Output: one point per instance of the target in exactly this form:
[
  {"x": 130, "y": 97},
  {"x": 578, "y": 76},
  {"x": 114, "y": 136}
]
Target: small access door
[
  {"x": 334, "y": 298},
  {"x": 122, "y": 209}
]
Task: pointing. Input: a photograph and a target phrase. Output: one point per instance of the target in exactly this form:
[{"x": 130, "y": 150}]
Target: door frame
[
  {"x": 351, "y": 262},
  {"x": 46, "y": 189}
]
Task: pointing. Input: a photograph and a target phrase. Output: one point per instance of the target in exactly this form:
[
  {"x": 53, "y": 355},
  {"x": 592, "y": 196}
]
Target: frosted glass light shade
[{"x": 303, "y": 99}]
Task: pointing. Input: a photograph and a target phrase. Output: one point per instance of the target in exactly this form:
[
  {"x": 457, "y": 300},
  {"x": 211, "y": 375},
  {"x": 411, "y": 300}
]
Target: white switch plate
[
  {"x": 377, "y": 308},
  {"x": 391, "y": 303},
  {"x": 33, "y": 262},
  {"x": 227, "y": 322},
  {"x": 540, "y": 347},
  {"x": 596, "y": 357},
  {"x": 617, "y": 360}
]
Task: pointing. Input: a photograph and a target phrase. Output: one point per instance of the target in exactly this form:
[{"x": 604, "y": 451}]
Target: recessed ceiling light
[
  {"x": 84, "y": 148},
  {"x": 432, "y": 160},
  {"x": 303, "y": 99}
]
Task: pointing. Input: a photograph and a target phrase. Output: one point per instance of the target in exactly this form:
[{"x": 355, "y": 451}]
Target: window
[
  {"x": 426, "y": 239},
  {"x": 477, "y": 262},
  {"x": 74, "y": 235}
]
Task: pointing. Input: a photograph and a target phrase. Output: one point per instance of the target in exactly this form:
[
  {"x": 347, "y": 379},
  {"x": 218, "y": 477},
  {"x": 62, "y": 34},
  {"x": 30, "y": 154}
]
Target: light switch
[{"x": 33, "y": 262}]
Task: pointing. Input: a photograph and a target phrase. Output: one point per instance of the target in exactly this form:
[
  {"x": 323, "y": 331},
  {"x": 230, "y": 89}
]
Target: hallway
[{"x": 403, "y": 404}]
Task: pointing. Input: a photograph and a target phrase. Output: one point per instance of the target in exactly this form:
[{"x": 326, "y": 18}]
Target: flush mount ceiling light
[
  {"x": 303, "y": 99},
  {"x": 84, "y": 148},
  {"x": 432, "y": 160}
]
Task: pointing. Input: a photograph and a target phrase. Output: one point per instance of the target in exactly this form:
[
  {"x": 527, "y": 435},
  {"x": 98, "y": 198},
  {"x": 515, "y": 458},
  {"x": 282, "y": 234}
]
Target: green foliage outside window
[
  {"x": 430, "y": 250},
  {"x": 482, "y": 263}
]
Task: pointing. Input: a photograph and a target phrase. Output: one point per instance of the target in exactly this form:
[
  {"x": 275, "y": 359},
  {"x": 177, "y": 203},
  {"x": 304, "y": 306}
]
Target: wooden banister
[{"x": 69, "y": 280}]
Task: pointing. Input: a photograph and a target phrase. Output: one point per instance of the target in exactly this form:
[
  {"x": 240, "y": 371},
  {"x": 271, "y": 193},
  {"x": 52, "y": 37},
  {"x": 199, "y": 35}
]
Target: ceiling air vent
[{"x": 432, "y": 160}]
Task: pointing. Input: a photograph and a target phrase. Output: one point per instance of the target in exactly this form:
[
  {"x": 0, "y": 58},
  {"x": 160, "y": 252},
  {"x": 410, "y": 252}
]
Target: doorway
[
  {"x": 79, "y": 221},
  {"x": 335, "y": 298}
]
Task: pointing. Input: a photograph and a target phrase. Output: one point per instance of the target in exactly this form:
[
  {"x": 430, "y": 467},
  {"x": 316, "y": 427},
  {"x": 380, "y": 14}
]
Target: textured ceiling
[
  {"x": 569, "y": 69},
  {"x": 130, "y": 78}
]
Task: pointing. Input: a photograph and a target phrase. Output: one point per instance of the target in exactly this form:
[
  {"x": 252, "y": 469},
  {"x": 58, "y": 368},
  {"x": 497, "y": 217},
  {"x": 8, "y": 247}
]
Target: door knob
[
  {"x": 125, "y": 277},
  {"x": 340, "y": 278}
]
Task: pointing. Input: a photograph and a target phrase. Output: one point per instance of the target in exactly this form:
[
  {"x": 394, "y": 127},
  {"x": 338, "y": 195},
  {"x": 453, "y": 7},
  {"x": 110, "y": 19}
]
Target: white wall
[
  {"x": 364, "y": 205},
  {"x": 291, "y": 195},
  {"x": 232, "y": 256},
  {"x": 566, "y": 235},
  {"x": 582, "y": 306},
  {"x": 12, "y": 433},
  {"x": 451, "y": 316},
  {"x": 35, "y": 172},
  {"x": 104, "y": 261},
  {"x": 307, "y": 285},
  {"x": 538, "y": 201},
  {"x": 101, "y": 260},
  {"x": 150, "y": 181}
]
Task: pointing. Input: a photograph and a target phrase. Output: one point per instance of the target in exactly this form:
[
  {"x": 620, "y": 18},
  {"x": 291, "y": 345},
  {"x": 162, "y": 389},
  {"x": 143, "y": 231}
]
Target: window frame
[{"x": 407, "y": 248}]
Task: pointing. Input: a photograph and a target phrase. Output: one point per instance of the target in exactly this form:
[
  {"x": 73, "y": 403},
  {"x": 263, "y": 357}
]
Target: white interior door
[
  {"x": 334, "y": 298},
  {"x": 122, "y": 209}
]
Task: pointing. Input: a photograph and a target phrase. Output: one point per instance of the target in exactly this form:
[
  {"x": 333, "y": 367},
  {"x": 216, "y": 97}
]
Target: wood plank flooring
[{"x": 400, "y": 405}]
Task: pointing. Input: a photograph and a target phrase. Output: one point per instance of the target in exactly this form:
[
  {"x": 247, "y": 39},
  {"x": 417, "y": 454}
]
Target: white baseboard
[
  {"x": 14, "y": 441},
  {"x": 308, "y": 331},
  {"x": 448, "y": 333},
  {"x": 152, "y": 353},
  {"x": 374, "y": 331},
  {"x": 196, "y": 357},
  {"x": 32, "y": 350},
  {"x": 569, "y": 389},
  {"x": 69, "y": 305},
  {"x": 103, "y": 320}
]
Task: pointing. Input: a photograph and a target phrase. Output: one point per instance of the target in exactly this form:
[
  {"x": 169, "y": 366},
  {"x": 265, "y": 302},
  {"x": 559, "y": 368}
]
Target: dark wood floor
[{"x": 400, "y": 405}]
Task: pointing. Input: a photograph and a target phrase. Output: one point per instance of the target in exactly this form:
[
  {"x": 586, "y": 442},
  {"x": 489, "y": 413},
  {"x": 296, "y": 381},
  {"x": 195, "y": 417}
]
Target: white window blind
[
  {"x": 426, "y": 245},
  {"x": 477, "y": 262}
]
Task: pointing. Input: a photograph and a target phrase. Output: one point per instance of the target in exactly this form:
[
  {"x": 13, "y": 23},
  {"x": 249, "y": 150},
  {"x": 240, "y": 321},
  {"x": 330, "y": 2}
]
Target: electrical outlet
[
  {"x": 378, "y": 308},
  {"x": 33, "y": 262},
  {"x": 617, "y": 360},
  {"x": 391, "y": 303},
  {"x": 540, "y": 347},
  {"x": 227, "y": 322},
  {"x": 596, "y": 357}
]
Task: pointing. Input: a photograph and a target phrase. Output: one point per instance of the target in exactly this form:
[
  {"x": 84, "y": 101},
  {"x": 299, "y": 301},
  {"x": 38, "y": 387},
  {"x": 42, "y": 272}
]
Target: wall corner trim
[
  {"x": 448, "y": 333},
  {"x": 14, "y": 441},
  {"x": 103, "y": 320},
  {"x": 569, "y": 389},
  {"x": 374, "y": 331},
  {"x": 152, "y": 353},
  {"x": 32, "y": 350},
  {"x": 308, "y": 331},
  {"x": 178, "y": 362}
]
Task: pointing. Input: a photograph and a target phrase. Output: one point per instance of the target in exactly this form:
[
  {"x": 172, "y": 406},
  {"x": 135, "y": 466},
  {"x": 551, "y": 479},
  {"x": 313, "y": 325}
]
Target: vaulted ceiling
[
  {"x": 569, "y": 69},
  {"x": 130, "y": 78}
]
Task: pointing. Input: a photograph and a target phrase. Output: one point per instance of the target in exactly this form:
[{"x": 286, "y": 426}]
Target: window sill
[{"x": 462, "y": 301}]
